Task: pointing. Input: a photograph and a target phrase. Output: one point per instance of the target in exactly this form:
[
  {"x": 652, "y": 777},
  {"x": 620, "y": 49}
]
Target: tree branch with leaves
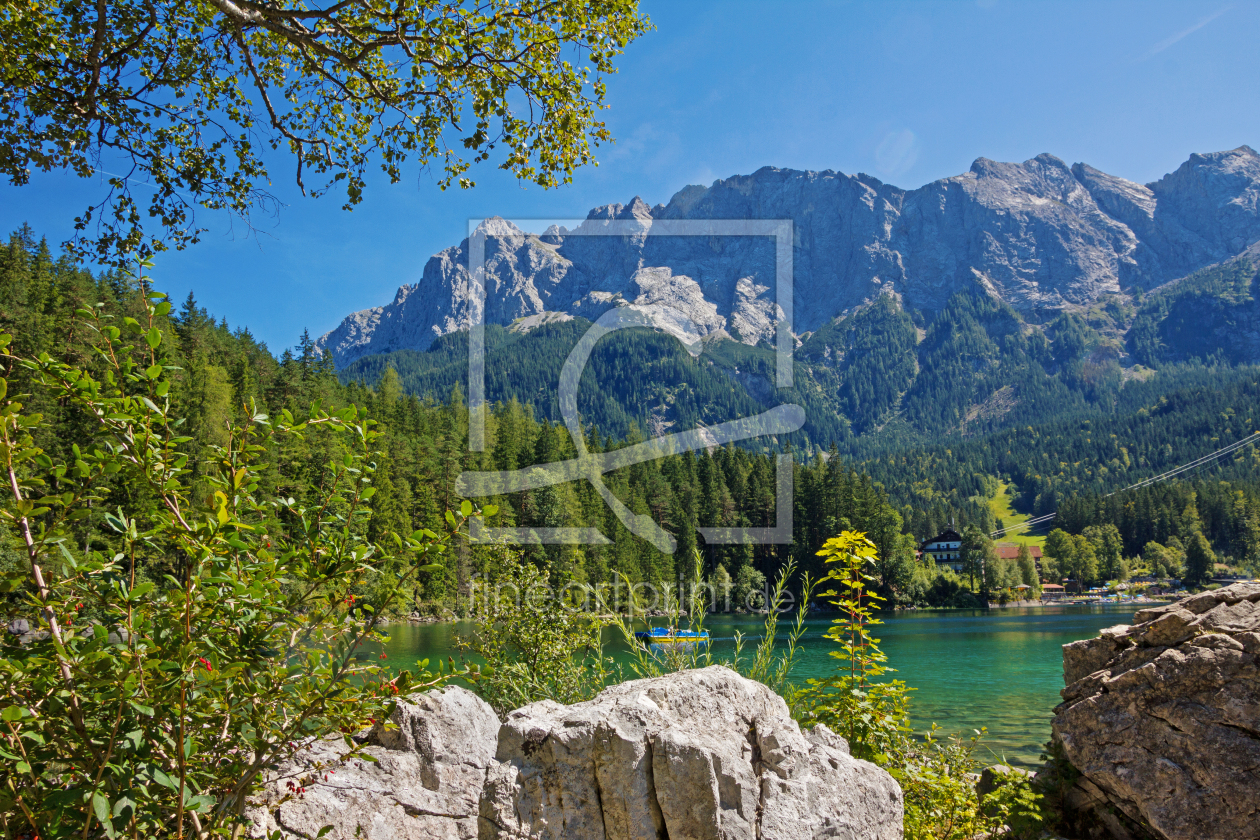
[{"x": 187, "y": 99}]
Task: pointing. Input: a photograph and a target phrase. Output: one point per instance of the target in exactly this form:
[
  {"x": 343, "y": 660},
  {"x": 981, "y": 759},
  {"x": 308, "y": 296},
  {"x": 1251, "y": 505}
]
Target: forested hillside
[
  {"x": 898, "y": 496},
  {"x": 636, "y": 378},
  {"x": 221, "y": 369},
  {"x": 938, "y": 408},
  {"x": 1210, "y": 315},
  {"x": 1155, "y": 425},
  {"x": 1227, "y": 513}
]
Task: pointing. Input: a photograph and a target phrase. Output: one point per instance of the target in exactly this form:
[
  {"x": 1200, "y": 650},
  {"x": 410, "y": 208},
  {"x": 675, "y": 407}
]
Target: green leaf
[
  {"x": 147, "y": 711},
  {"x": 100, "y": 807},
  {"x": 162, "y": 779},
  {"x": 13, "y": 713},
  {"x": 201, "y": 803},
  {"x": 153, "y": 371},
  {"x": 465, "y": 508},
  {"x": 154, "y": 338}
]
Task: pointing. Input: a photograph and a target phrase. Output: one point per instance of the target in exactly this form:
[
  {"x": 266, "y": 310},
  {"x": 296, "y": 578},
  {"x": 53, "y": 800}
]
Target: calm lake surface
[{"x": 1000, "y": 669}]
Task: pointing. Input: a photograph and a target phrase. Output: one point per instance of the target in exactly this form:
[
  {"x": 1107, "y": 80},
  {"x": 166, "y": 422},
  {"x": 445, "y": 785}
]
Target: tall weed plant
[{"x": 872, "y": 714}]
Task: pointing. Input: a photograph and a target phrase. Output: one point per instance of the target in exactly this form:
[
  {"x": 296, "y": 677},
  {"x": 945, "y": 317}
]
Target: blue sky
[{"x": 906, "y": 91}]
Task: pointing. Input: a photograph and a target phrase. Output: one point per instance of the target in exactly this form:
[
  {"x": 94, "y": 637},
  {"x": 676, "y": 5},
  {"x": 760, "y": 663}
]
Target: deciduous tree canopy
[{"x": 188, "y": 97}]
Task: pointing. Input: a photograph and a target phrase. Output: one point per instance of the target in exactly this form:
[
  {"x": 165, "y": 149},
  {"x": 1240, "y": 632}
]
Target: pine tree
[
  {"x": 1027, "y": 567},
  {"x": 1199, "y": 560}
]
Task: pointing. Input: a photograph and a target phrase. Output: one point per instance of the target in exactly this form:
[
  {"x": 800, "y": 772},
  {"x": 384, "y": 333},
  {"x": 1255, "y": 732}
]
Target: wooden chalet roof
[{"x": 948, "y": 535}]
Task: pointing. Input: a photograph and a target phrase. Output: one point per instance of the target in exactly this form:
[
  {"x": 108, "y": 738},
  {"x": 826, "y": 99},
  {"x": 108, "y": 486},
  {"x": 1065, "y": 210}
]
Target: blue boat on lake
[{"x": 671, "y": 638}]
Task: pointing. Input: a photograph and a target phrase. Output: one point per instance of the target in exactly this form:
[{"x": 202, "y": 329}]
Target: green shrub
[
  {"x": 535, "y": 644},
  {"x": 222, "y": 632}
]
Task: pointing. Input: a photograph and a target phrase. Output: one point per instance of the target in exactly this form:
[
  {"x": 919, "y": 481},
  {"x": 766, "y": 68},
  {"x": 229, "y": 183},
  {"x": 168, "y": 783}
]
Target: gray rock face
[
  {"x": 698, "y": 754},
  {"x": 693, "y": 755},
  {"x": 1162, "y": 718},
  {"x": 425, "y": 783},
  {"x": 1038, "y": 234}
]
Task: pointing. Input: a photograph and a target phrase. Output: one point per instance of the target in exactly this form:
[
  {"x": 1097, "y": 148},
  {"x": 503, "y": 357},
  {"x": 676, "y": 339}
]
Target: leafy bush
[
  {"x": 937, "y": 778},
  {"x": 948, "y": 590},
  {"x": 222, "y": 633},
  {"x": 536, "y": 645},
  {"x": 750, "y": 586}
]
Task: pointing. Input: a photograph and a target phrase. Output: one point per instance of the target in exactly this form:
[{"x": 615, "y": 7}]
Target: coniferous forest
[{"x": 898, "y": 496}]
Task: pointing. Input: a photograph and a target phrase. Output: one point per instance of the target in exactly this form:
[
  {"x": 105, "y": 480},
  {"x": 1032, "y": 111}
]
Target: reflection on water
[{"x": 1000, "y": 669}]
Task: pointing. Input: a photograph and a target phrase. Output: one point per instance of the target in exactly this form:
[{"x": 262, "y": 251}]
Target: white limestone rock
[
  {"x": 697, "y": 755},
  {"x": 425, "y": 783}
]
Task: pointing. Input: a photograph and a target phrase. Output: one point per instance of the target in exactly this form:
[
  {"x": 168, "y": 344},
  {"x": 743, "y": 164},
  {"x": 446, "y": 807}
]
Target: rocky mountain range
[{"x": 1040, "y": 237}]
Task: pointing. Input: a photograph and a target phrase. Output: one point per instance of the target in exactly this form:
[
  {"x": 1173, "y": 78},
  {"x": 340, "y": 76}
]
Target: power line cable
[{"x": 1164, "y": 476}]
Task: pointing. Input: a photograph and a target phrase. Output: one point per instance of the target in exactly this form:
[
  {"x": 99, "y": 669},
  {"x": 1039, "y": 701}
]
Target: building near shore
[{"x": 945, "y": 549}]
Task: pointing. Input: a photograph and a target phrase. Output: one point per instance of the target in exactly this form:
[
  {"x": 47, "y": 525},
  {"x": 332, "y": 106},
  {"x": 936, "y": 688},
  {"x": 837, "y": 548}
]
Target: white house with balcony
[{"x": 946, "y": 549}]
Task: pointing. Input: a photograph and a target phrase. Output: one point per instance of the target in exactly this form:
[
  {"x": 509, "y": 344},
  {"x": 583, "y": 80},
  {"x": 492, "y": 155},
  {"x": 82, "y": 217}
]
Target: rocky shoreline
[{"x": 1158, "y": 734}]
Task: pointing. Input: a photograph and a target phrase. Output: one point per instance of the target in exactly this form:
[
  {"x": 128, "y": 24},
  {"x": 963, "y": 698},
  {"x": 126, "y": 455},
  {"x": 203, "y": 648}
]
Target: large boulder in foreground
[
  {"x": 689, "y": 756},
  {"x": 695, "y": 755},
  {"x": 1162, "y": 718}
]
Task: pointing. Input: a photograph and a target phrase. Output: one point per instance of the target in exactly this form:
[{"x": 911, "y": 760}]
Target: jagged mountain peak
[
  {"x": 983, "y": 167},
  {"x": 499, "y": 227},
  {"x": 1037, "y": 235}
]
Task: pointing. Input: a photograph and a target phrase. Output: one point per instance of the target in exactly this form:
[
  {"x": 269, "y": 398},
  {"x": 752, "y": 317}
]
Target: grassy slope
[{"x": 1000, "y": 504}]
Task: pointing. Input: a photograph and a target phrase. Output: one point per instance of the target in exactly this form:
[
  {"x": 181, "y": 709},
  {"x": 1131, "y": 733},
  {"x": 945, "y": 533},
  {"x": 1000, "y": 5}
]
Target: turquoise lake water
[{"x": 1000, "y": 669}]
